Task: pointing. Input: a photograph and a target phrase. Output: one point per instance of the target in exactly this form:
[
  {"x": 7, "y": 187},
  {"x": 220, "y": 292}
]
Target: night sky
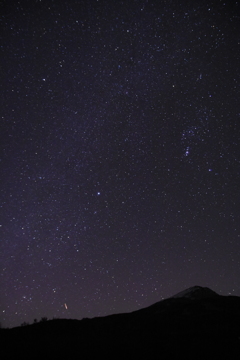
[{"x": 120, "y": 154}]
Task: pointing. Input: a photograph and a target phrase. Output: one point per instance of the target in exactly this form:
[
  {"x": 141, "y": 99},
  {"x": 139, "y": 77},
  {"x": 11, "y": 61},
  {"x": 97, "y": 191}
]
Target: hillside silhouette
[{"x": 194, "y": 324}]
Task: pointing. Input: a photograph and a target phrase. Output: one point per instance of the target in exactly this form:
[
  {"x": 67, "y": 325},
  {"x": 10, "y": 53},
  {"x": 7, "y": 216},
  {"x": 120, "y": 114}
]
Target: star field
[{"x": 120, "y": 159}]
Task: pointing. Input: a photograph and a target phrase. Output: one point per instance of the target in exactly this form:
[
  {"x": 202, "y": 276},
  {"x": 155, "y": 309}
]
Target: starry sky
[{"x": 120, "y": 157}]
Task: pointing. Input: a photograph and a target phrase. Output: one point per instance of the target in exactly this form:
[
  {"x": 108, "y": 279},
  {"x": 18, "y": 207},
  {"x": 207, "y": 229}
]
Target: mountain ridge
[
  {"x": 196, "y": 292},
  {"x": 173, "y": 328}
]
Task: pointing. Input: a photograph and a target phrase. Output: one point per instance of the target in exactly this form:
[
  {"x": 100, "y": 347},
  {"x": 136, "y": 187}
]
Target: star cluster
[{"x": 120, "y": 160}]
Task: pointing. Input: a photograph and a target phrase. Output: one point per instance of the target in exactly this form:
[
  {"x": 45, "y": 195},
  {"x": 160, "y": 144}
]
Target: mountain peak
[{"x": 196, "y": 292}]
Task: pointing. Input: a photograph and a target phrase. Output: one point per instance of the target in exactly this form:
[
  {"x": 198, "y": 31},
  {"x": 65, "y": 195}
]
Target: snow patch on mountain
[{"x": 196, "y": 292}]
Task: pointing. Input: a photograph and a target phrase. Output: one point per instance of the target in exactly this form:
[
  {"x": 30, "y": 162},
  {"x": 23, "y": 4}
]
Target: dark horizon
[
  {"x": 198, "y": 323},
  {"x": 193, "y": 294}
]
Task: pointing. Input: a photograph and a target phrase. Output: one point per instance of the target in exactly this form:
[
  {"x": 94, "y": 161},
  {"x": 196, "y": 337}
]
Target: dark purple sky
[{"x": 120, "y": 155}]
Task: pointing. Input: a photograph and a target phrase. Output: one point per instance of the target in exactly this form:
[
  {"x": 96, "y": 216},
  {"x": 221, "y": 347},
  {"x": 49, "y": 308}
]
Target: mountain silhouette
[
  {"x": 196, "y": 323},
  {"x": 196, "y": 292}
]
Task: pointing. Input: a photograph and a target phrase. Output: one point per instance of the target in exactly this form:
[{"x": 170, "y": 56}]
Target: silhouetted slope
[
  {"x": 195, "y": 325},
  {"x": 196, "y": 292}
]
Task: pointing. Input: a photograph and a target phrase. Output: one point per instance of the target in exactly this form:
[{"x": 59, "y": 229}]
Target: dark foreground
[{"x": 187, "y": 327}]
